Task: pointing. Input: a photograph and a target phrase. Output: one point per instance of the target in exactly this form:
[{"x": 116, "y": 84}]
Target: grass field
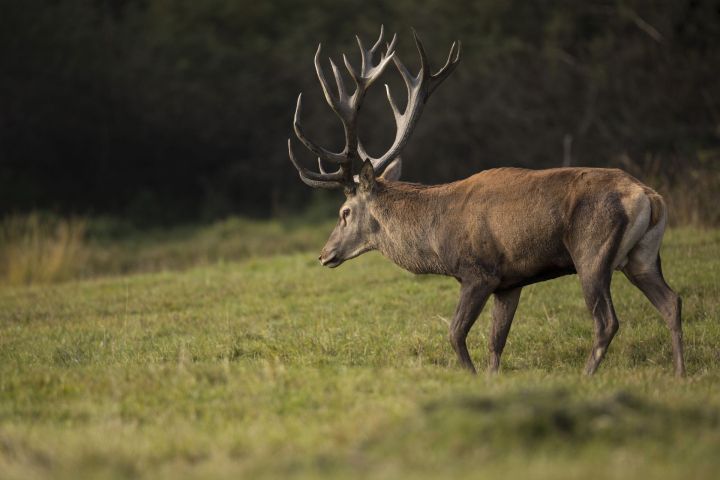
[{"x": 275, "y": 367}]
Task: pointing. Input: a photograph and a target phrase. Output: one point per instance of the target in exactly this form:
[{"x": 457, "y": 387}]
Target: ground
[{"x": 275, "y": 367}]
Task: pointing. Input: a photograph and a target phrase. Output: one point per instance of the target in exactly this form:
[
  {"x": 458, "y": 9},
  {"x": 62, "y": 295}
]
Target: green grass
[{"x": 276, "y": 367}]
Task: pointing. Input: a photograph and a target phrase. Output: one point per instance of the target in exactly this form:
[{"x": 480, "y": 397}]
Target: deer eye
[{"x": 345, "y": 213}]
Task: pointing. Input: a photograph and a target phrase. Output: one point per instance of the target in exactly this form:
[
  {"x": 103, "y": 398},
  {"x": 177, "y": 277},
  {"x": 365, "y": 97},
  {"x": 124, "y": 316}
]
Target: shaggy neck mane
[{"x": 405, "y": 212}]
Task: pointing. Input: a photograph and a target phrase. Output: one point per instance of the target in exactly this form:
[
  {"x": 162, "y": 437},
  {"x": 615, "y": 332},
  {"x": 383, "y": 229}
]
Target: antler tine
[
  {"x": 320, "y": 166},
  {"x": 363, "y": 55},
  {"x": 317, "y": 180},
  {"x": 437, "y": 78},
  {"x": 309, "y": 144},
  {"x": 321, "y": 77},
  {"x": 368, "y": 71},
  {"x": 385, "y": 57},
  {"x": 409, "y": 79},
  {"x": 379, "y": 40},
  {"x": 424, "y": 63},
  {"x": 342, "y": 99},
  {"x": 393, "y": 105},
  {"x": 338, "y": 80}
]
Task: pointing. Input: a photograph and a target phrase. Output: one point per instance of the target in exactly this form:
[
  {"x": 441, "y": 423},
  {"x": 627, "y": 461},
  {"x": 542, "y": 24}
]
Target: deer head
[{"x": 353, "y": 234}]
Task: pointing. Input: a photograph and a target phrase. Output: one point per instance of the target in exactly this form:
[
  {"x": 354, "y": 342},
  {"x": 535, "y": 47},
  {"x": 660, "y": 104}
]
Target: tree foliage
[{"x": 172, "y": 110}]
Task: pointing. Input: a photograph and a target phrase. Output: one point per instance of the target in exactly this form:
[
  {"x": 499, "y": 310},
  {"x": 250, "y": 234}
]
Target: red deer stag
[{"x": 496, "y": 231}]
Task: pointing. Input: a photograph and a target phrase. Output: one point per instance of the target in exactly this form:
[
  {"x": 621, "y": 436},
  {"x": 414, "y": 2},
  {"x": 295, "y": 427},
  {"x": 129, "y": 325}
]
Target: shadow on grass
[
  {"x": 487, "y": 433},
  {"x": 538, "y": 417}
]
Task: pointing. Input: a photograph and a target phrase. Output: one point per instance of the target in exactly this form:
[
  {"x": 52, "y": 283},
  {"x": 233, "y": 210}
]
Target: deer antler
[{"x": 346, "y": 107}]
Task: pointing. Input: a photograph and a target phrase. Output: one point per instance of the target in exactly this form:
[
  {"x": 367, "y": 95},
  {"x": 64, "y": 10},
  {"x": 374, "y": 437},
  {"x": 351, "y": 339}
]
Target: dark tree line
[{"x": 177, "y": 110}]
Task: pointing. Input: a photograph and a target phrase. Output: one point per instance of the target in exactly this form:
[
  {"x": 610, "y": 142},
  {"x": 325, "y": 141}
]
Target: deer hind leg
[
  {"x": 596, "y": 290},
  {"x": 598, "y": 229},
  {"x": 506, "y": 303},
  {"x": 472, "y": 301},
  {"x": 595, "y": 268},
  {"x": 644, "y": 270}
]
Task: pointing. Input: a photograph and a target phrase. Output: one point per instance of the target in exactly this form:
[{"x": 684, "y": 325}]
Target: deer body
[
  {"x": 496, "y": 231},
  {"x": 485, "y": 226}
]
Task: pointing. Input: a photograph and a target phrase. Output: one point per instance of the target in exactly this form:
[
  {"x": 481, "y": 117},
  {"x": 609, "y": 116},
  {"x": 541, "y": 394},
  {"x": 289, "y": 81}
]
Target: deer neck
[{"x": 407, "y": 215}]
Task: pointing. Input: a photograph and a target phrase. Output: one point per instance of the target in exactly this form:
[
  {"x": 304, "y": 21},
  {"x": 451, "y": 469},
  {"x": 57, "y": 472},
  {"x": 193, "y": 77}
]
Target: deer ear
[
  {"x": 366, "y": 179},
  {"x": 392, "y": 171}
]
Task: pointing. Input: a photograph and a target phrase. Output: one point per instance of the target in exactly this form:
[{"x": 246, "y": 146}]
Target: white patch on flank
[{"x": 645, "y": 253}]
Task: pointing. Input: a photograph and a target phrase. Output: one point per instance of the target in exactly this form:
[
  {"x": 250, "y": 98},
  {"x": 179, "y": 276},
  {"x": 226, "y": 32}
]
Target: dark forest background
[{"x": 168, "y": 111}]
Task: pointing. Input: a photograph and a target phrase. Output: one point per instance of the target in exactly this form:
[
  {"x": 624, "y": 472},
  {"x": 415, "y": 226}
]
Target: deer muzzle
[{"x": 329, "y": 259}]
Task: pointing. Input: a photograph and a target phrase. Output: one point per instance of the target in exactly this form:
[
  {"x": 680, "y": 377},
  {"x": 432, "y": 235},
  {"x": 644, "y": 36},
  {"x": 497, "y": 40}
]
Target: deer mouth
[{"x": 331, "y": 262}]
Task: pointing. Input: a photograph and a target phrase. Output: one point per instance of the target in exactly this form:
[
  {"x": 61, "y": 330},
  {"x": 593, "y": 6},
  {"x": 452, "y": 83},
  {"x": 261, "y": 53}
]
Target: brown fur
[
  {"x": 505, "y": 228},
  {"x": 505, "y": 224}
]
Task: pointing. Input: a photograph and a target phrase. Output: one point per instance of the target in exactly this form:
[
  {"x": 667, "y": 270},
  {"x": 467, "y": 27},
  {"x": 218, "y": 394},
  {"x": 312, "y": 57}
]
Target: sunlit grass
[
  {"x": 41, "y": 249},
  {"x": 37, "y": 249}
]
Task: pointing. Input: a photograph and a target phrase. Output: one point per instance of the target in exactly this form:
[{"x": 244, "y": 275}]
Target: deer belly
[{"x": 540, "y": 276}]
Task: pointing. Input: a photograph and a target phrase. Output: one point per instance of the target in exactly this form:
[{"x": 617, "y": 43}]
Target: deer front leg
[
  {"x": 472, "y": 299},
  {"x": 506, "y": 303}
]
